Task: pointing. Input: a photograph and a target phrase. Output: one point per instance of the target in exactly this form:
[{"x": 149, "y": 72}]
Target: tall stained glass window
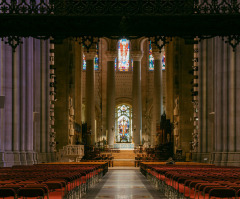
[
  {"x": 163, "y": 62},
  {"x": 115, "y": 63},
  {"x": 96, "y": 64},
  {"x": 84, "y": 62},
  {"x": 123, "y": 123},
  {"x": 96, "y": 61},
  {"x": 123, "y": 55},
  {"x": 151, "y": 59}
]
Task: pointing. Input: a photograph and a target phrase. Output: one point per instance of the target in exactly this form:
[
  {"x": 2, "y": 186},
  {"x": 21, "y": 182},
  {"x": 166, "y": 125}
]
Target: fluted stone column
[
  {"x": 16, "y": 106},
  {"x": 37, "y": 94},
  {"x": 90, "y": 94},
  {"x": 218, "y": 108},
  {"x": 203, "y": 98},
  {"x": 137, "y": 97},
  {"x": 29, "y": 100},
  {"x": 224, "y": 100},
  {"x": 3, "y": 118},
  {"x": 237, "y": 73},
  {"x": 111, "y": 55},
  {"x": 206, "y": 100},
  {"x": 44, "y": 51},
  {"x": 25, "y": 87},
  {"x": 157, "y": 98},
  {"x": 218, "y": 92},
  {"x": 23, "y": 101},
  {"x": 232, "y": 102},
  {"x": 8, "y": 97}
]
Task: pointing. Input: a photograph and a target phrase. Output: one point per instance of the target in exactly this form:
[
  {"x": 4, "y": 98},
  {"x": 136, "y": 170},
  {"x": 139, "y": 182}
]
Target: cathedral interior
[{"x": 119, "y": 82}]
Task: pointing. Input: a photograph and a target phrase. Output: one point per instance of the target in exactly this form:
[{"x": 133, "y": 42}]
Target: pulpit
[{"x": 71, "y": 153}]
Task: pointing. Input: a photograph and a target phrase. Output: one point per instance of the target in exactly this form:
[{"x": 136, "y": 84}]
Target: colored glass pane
[
  {"x": 151, "y": 59},
  {"x": 123, "y": 55},
  {"x": 163, "y": 62},
  {"x": 123, "y": 124},
  {"x": 115, "y": 63},
  {"x": 96, "y": 63},
  {"x": 123, "y": 127},
  {"x": 84, "y": 62}
]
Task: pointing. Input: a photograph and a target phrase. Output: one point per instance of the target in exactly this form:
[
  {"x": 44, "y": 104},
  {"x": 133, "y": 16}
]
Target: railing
[
  {"x": 120, "y": 7},
  {"x": 90, "y": 20},
  {"x": 74, "y": 150}
]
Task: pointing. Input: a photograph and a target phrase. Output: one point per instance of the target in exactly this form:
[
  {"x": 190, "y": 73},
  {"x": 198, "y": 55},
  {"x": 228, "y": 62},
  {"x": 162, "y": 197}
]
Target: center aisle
[{"x": 124, "y": 184}]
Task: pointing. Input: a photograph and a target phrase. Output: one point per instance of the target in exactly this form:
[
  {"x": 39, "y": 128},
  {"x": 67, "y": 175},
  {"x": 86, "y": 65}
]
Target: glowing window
[
  {"x": 96, "y": 67},
  {"x": 123, "y": 123},
  {"x": 151, "y": 59},
  {"x": 84, "y": 62},
  {"x": 123, "y": 55},
  {"x": 115, "y": 63},
  {"x": 96, "y": 61},
  {"x": 163, "y": 62}
]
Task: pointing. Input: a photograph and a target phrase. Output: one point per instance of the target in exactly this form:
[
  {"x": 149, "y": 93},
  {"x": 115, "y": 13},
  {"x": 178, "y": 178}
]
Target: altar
[{"x": 129, "y": 146}]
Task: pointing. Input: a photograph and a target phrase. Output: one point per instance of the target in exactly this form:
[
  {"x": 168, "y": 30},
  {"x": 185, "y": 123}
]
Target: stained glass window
[
  {"x": 123, "y": 55},
  {"x": 123, "y": 123},
  {"x": 163, "y": 62},
  {"x": 96, "y": 61},
  {"x": 115, "y": 63},
  {"x": 96, "y": 67},
  {"x": 151, "y": 59},
  {"x": 84, "y": 62}
]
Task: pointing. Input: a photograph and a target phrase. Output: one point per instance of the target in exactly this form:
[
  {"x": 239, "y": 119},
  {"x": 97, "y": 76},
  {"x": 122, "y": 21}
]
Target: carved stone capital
[
  {"x": 157, "y": 55},
  {"x": 111, "y": 55},
  {"x": 136, "y": 55},
  {"x": 90, "y": 55}
]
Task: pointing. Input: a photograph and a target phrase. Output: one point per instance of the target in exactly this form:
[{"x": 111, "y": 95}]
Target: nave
[{"x": 124, "y": 183}]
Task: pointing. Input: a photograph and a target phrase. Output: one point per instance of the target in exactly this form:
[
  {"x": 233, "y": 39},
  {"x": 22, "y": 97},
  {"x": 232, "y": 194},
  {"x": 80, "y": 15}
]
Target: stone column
[
  {"x": 206, "y": 99},
  {"x": 16, "y": 105},
  {"x": 203, "y": 96},
  {"x": 37, "y": 95},
  {"x": 210, "y": 96},
  {"x": 90, "y": 94},
  {"x": 218, "y": 93},
  {"x": 237, "y": 73},
  {"x": 29, "y": 116},
  {"x": 223, "y": 100},
  {"x": 137, "y": 97},
  {"x": 232, "y": 102},
  {"x": 2, "y": 109},
  {"x": 111, "y": 55},
  {"x": 23, "y": 101},
  {"x": 226, "y": 84},
  {"x": 157, "y": 98},
  {"x": 78, "y": 83},
  {"x": 44, "y": 101}
]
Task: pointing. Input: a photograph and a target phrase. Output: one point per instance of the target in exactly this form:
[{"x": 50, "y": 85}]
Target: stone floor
[{"x": 124, "y": 184}]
